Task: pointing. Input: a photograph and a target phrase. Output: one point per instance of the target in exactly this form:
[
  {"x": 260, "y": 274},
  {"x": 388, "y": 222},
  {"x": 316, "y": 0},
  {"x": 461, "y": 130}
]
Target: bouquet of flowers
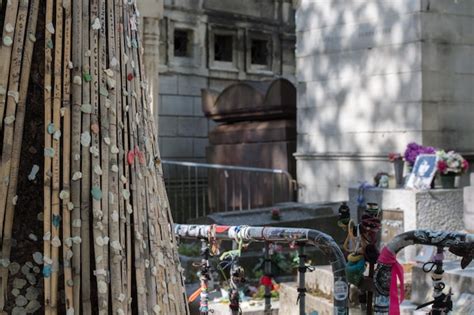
[
  {"x": 451, "y": 162},
  {"x": 413, "y": 150}
]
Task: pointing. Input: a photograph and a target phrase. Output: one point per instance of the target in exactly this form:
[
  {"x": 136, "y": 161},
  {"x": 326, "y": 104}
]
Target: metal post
[
  {"x": 268, "y": 273},
  {"x": 273, "y": 189},
  {"x": 226, "y": 176},
  {"x": 204, "y": 303},
  {"x": 190, "y": 209},
  {"x": 301, "y": 281},
  {"x": 196, "y": 174},
  {"x": 249, "y": 204},
  {"x": 182, "y": 204},
  {"x": 240, "y": 188}
]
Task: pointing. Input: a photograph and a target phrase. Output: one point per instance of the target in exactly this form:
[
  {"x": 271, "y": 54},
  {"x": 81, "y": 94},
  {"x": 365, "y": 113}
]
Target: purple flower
[{"x": 413, "y": 150}]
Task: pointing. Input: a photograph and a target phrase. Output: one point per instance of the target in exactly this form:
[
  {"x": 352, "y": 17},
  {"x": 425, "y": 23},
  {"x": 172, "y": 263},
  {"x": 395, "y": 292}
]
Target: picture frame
[{"x": 423, "y": 172}]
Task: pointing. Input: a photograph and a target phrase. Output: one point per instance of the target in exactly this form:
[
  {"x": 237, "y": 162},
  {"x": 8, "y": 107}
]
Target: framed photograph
[{"x": 423, "y": 172}]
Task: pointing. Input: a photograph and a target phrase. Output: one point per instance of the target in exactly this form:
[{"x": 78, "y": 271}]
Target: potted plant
[
  {"x": 450, "y": 165},
  {"x": 398, "y": 163}
]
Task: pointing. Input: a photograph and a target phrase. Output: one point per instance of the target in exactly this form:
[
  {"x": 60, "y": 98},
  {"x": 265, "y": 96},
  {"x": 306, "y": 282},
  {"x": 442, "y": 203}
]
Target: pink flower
[
  {"x": 442, "y": 167},
  {"x": 465, "y": 165},
  {"x": 392, "y": 157}
]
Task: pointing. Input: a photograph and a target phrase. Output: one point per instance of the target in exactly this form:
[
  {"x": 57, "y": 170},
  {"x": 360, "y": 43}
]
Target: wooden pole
[
  {"x": 56, "y": 184},
  {"x": 122, "y": 192},
  {"x": 97, "y": 214},
  {"x": 24, "y": 76},
  {"x": 77, "y": 55},
  {"x": 126, "y": 97},
  {"x": 115, "y": 247},
  {"x": 135, "y": 172},
  {"x": 105, "y": 143},
  {"x": 66, "y": 185},
  {"x": 49, "y": 153},
  {"x": 86, "y": 110},
  {"x": 5, "y": 52},
  {"x": 12, "y": 100}
]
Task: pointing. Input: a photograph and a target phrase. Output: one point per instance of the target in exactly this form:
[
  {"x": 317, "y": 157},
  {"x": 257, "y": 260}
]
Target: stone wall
[
  {"x": 374, "y": 75},
  {"x": 183, "y": 129}
]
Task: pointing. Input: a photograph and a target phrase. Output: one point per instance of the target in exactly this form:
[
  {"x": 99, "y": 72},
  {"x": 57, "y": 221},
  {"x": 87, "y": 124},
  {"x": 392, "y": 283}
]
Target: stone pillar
[
  {"x": 151, "y": 45},
  {"x": 151, "y": 14}
]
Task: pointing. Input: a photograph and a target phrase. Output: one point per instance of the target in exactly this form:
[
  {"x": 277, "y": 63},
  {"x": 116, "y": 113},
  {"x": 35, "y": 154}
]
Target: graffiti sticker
[{"x": 341, "y": 291}]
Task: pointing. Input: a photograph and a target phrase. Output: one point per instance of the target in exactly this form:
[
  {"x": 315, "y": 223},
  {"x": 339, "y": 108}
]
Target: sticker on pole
[{"x": 340, "y": 290}]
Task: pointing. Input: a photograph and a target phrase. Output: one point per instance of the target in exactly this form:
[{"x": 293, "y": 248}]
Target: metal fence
[{"x": 198, "y": 189}]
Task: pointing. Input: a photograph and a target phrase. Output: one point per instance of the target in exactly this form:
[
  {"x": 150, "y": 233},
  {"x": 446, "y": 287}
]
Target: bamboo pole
[
  {"x": 115, "y": 247},
  {"x": 55, "y": 197},
  {"x": 105, "y": 143},
  {"x": 24, "y": 76},
  {"x": 144, "y": 184},
  {"x": 85, "y": 163},
  {"x": 66, "y": 216},
  {"x": 47, "y": 268},
  {"x": 122, "y": 191},
  {"x": 126, "y": 96},
  {"x": 77, "y": 55},
  {"x": 100, "y": 271},
  {"x": 5, "y": 53},
  {"x": 9, "y": 96},
  {"x": 140, "y": 280}
]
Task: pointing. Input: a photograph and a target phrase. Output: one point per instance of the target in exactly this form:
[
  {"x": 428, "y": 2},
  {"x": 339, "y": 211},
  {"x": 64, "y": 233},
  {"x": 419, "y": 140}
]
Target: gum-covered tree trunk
[{"x": 84, "y": 221}]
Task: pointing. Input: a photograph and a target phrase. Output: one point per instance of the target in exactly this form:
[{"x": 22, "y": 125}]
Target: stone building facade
[
  {"x": 212, "y": 44},
  {"x": 374, "y": 75}
]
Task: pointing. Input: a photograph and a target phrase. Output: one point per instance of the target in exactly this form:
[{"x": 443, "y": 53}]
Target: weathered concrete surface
[
  {"x": 469, "y": 208},
  {"x": 323, "y": 306},
  {"x": 437, "y": 209},
  {"x": 440, "y": 209},
  {"x": 373, "y": 76}
]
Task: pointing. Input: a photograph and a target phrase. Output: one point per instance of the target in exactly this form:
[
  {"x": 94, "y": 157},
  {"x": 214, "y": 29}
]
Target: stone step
[
  {"x": 314, "y": 304},
  {"x": 321, "y": 279}
]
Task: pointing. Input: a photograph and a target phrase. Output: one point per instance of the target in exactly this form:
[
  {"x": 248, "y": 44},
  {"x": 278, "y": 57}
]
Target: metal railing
[
  {"x": 460, "y": 244},
  {"x": 302, "y": 237},
  {"x": 198, "y": 189}
]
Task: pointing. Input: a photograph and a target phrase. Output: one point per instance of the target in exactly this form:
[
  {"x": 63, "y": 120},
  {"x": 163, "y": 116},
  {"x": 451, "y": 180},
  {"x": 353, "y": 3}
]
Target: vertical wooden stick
[
  {"x": 105, "y": 142},
  {"x": 126, "y": 97},
  {"x": 97, "y": 214},
  {"x": 85, "y": 166},
  {"x": 77, "y": 54},
  {"x": 55, "y": 199},
  {"x": 114, "y": 234},
  {"x": 5, "y": 53},
  {"x": 18, "y": 133},
  {"x": 66, "y": 216},
  {"x": 122, "y": 197},
  {"x": 47, "y": 267},
  {"x": 11, "y": 97}
]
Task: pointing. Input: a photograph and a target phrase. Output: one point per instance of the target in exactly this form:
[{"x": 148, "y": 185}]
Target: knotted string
[{"x": 387, "y": 257}]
